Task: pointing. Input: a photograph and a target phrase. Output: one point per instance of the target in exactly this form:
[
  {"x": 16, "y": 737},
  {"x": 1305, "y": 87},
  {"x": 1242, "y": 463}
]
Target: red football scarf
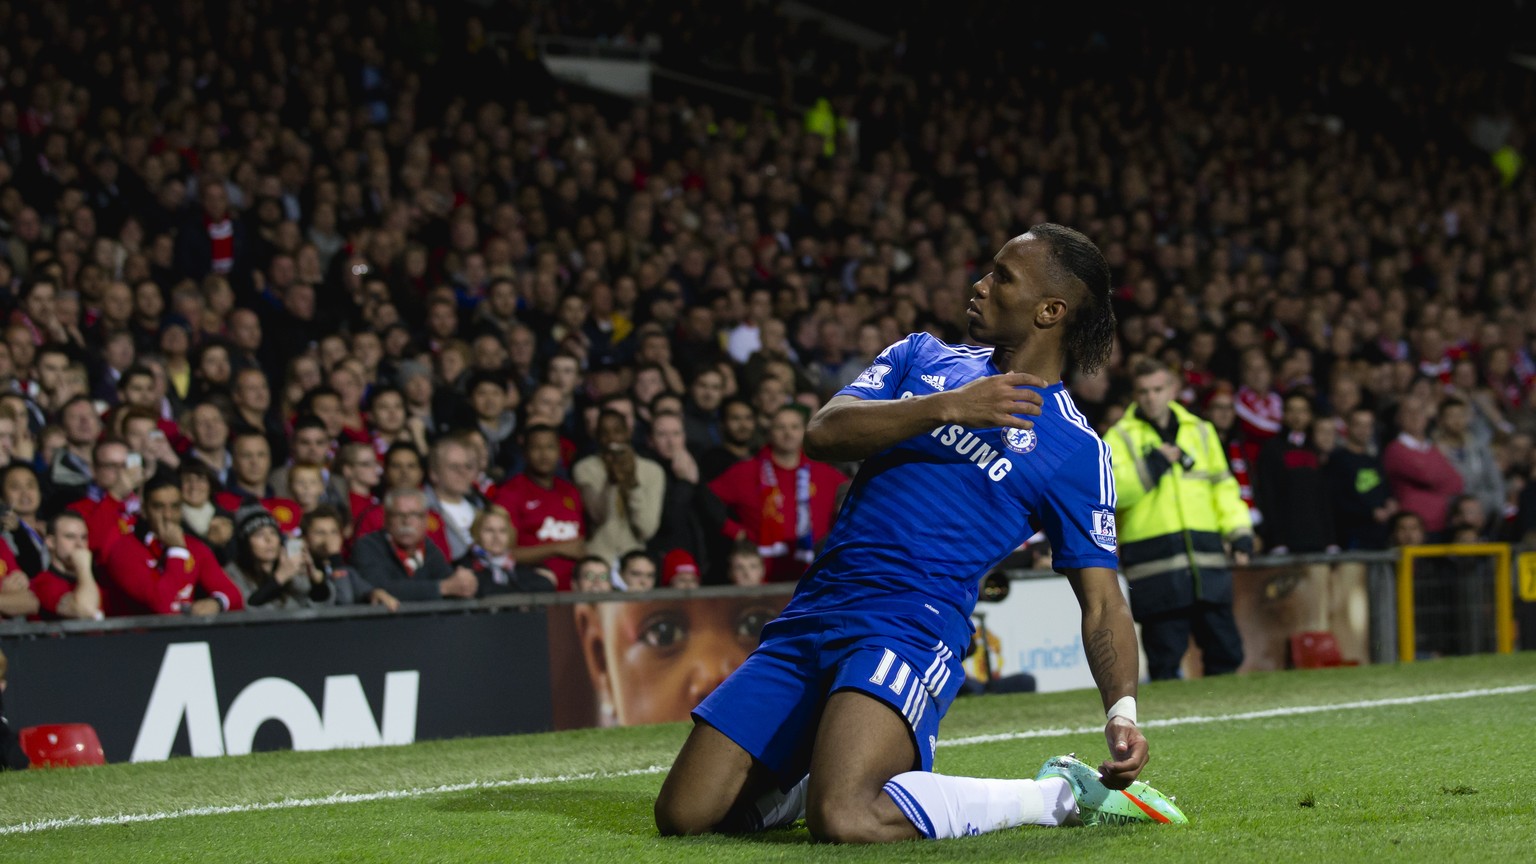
[{"x": 221, "y": 238}]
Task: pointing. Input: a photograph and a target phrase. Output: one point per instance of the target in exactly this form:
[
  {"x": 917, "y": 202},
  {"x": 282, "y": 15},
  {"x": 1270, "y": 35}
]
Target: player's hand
[
  {"x": 995, "y": 400},
  {"x": 206, "y": 606},
  {"x": 1127, "y": 753}
]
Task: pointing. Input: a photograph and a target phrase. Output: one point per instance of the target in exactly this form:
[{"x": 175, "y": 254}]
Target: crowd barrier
[{"x": 317, "y": 679}]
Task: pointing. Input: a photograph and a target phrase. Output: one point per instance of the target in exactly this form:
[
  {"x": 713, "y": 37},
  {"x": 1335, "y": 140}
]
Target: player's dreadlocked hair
[{"x": 1091, "y": 324}]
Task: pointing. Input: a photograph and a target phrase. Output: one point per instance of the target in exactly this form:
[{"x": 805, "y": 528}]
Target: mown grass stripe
[
  {"x": 1265, "y": 714},
  {"x": 336, "y": 798},
  {"x": 541, "y": 780}
]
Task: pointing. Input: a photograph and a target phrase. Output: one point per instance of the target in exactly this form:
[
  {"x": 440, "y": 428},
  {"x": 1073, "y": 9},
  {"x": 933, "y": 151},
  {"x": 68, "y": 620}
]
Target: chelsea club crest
[{"x": 1020, "y": 440}]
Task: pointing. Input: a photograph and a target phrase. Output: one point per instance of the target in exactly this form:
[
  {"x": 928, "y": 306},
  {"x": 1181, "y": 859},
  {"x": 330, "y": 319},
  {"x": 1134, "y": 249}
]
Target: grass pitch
[{"x": 1265, "y": 771}]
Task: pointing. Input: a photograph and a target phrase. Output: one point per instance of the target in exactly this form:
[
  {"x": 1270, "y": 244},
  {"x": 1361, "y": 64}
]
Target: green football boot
[{"x": 1098, "y": 804}]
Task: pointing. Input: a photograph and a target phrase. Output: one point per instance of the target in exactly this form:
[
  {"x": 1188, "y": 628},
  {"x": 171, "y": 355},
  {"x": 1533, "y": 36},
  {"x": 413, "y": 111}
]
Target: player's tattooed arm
[
  {"x": 1109, "y": 636},
  {"x": 1100, "y": 648}
]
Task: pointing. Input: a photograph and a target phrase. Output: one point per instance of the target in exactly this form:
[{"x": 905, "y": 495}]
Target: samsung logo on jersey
[{"x": 970, "y": 445}]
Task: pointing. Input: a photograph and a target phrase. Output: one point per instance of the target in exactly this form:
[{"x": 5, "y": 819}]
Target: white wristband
[{"x": 1125, "y": 707}]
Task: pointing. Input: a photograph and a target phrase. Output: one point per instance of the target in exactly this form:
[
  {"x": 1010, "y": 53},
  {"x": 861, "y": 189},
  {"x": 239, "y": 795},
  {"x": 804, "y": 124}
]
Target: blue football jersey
[{"x": 925, "y": 519}]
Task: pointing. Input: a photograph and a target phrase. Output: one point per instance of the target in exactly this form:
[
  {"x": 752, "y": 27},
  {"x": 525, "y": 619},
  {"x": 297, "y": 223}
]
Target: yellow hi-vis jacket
[{"x": 1172, "y": 526}]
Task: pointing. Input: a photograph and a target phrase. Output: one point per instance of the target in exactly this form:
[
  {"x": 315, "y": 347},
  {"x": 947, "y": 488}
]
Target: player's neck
[{"x": 1034, "y": 357}]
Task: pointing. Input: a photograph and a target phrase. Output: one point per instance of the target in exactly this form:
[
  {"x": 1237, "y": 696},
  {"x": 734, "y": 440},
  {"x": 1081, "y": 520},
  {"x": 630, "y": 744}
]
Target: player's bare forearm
[
  {"x": 848, "y": 429},
  {"x": 1109, "y": 635}
]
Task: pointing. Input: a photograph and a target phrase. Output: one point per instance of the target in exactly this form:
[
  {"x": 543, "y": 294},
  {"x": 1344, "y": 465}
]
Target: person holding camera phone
[
  {"x": 269, "y": 570},
  {"x": 21, "y": 496},
  {"x": 1180, "y": 514},
  {"x": 323, "y": 539}
]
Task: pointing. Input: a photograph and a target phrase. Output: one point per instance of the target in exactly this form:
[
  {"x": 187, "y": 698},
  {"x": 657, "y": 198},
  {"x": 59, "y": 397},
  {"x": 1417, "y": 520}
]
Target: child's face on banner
[{"x": 653, "y": 662}]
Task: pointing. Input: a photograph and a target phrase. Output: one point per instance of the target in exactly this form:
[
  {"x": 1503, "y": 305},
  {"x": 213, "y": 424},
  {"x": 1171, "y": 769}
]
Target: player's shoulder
[
  {"x": 1059, "y": 405},
  {"x": 938, "y": 347}
]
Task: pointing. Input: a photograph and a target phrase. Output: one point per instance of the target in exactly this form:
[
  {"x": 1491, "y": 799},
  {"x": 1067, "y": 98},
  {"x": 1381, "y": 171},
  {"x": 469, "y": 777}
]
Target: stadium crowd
[{"x": 366, "y": 308}]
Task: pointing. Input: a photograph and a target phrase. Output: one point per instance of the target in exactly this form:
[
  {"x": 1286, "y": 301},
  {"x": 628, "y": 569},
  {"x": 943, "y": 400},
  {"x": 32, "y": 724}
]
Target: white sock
[
  {"x": 1060, "y": 803},
  {"x": 782, "y": 808},
  {"x": 941, "y": 806}
]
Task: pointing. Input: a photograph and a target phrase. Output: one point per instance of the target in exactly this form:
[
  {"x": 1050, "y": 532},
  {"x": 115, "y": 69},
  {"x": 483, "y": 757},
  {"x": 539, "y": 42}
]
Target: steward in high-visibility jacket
[{"x": 1175, "y": 520}]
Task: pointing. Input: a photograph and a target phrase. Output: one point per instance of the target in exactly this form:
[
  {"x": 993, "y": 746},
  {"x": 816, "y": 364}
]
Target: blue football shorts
[{"x": 771, "y": 705}]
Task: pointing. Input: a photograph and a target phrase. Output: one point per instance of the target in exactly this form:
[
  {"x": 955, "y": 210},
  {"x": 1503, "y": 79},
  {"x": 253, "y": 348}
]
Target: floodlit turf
[{"x": 1432, "y": 781}]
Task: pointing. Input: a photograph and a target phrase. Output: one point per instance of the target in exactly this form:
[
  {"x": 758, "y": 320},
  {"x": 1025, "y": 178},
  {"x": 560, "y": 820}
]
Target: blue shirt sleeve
[
  {"x": 1077, "y": 510},
  {"x": 882, "y": 379}
]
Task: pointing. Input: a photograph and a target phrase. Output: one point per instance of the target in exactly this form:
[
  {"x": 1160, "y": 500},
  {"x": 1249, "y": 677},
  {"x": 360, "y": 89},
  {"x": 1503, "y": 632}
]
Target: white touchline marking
[
  {"x": 1198, "y": 719},
  {"x": 423, "y": 791},
  {"x": 336, "y": 798}
]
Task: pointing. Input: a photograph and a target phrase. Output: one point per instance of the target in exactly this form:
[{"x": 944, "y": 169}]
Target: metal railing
[
  {"x": 1503, "y": 593},
  {"x": 261, "y": 617}
]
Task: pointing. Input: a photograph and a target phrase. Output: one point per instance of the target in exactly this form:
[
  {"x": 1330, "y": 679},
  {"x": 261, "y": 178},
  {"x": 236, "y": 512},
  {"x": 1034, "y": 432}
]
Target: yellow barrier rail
[{"x": 1503, "y": 593}]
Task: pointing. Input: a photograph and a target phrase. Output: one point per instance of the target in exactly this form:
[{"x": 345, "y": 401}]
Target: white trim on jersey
[
  {"x": 971, "y": 350},
  {"x": 1069, "y": 411}
]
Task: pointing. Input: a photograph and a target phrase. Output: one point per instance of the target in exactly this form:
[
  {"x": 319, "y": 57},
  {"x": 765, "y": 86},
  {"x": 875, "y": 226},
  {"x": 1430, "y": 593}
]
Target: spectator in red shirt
[
  {"x": 16, "y": 597},
  {"x": 68, "y": 589},
  {"x": 1242, "y": 454},
  {"x": 404, "y": 468},
  {"x": 546, "y": 510},
  {"x": 1423, "y": 480},
  {"x": 780, "y": 500},
  {"x": 1258, "y": 405},
  {"x": 138, "y": 388},
  {"x": 249, "y": 473},
  {"x": 359, "y": 468},
  {"x": 159, "y": 570},
  {"x": 113, "y": 504}
]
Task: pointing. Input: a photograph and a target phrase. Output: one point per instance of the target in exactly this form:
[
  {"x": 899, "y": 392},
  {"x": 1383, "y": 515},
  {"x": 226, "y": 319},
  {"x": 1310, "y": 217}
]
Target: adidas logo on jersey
[{"x": 934, "y": 381}]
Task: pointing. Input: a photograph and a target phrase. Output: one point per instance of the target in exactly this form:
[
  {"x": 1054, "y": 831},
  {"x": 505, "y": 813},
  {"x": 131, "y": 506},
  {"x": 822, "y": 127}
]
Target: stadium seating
[{"x": 60, "y": 745}]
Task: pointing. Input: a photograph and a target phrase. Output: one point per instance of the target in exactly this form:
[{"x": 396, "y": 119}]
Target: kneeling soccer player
[{"x": 967, "y": 451}]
